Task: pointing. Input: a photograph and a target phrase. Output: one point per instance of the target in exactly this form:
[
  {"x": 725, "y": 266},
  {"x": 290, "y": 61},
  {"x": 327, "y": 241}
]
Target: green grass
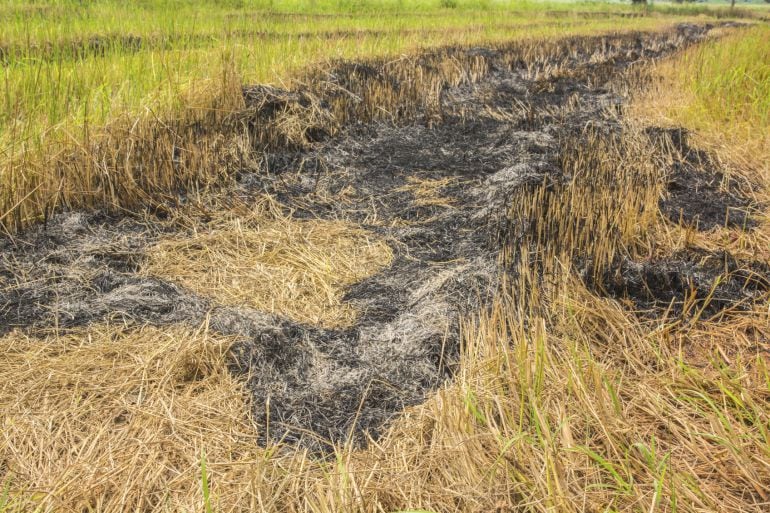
[
  {"x": 55, "y": 75},
  {"x": 721, "y": 91},
  {"x": 205, "y": 485},
  {"x": 730, "y": 81},
  {"x": 70, "y": 63}
]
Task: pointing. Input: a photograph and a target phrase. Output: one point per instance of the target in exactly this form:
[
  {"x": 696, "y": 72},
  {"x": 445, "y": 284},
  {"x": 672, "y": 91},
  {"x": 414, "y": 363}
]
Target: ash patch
[
  {"x": 698, "y": 194},
  {"x": 82, "y": 269},
  {"x": 468, "y": 147},
  {"x": 445, "y": 244},
  {"x": 711, "y": 282}
]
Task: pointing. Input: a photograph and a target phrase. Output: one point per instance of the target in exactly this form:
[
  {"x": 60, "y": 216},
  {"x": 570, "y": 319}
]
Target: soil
[
  {"x": 700, "y": 195},
  {"x": 316, "y": 386},
  {"x": 713, "y": 282}
]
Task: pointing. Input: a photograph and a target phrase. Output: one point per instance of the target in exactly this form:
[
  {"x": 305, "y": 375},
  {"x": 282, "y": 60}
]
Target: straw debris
[
  {"x": 116, "y": 419},
  {"x": 294, "y": 268}
]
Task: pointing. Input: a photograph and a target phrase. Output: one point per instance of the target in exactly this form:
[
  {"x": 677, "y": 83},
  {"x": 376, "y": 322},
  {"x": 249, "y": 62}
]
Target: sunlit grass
[
  {"x": 721, "y": 91},
  {"x": 564, "y": 400},
  {"x": 730, "y": 84},
  {"x": 53, "y": 86}
]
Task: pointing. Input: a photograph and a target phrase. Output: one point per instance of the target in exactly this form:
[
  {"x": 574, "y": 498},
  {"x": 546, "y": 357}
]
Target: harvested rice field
[{"x": 384, "y": 257}]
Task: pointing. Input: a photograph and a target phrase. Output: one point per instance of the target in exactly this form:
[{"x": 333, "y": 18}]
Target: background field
[
  {"x": 565, "y": 398},
  {"x": 82, "y": 79}
]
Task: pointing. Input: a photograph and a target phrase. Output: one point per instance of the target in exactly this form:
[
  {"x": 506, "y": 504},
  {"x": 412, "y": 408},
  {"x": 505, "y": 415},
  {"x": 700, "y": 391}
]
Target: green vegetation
[
  {"x": 729, "y": 80},
  {"x": 74, "y": 63},
  {"x": 721, "y": 91}
]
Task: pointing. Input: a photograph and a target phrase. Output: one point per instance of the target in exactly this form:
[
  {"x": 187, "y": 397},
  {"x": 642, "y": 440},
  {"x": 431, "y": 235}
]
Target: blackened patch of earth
[
  {"x": 706, "y": 283},
  {"x": 698, "y": 194}
]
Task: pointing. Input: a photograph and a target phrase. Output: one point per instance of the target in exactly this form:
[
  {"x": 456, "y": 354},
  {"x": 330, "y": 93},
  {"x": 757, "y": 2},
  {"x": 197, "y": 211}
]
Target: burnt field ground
[{"x": 473, "y": 279}]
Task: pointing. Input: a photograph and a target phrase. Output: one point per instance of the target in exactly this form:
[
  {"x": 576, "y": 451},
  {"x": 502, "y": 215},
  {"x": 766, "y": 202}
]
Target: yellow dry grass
[
  {"x": 570, "y": 404},
  {"x": 269, "y": 261},
  {"x": 116, "y": 419},
  {"x": 427, "y": 192}
]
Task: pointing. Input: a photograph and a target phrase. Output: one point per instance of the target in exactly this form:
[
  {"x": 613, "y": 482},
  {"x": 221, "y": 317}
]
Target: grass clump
[
  {"x": 730, "y": 80},
  {"x": 719, "y": 92}
]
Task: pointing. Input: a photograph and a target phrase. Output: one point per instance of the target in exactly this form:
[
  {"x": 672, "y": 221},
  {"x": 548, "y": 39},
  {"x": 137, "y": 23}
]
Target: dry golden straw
[{"x": 267, "y": 261}]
